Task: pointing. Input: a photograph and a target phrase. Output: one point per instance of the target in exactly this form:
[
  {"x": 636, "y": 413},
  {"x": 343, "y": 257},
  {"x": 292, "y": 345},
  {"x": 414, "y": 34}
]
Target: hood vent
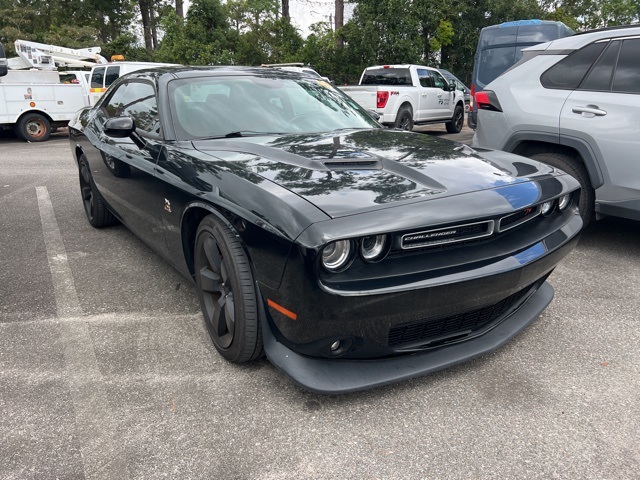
[{"x": 356, "y": 164}]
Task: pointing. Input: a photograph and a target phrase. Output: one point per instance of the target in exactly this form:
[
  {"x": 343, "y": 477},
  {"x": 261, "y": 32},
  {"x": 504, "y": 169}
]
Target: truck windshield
[{"x": 386, "y": 76}]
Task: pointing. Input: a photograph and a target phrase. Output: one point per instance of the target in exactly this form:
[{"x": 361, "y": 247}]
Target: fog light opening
[{"x": 338, "y": 347}]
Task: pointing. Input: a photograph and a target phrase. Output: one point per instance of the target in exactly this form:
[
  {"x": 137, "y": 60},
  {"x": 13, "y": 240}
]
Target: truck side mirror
[{"x": 452, "y": 85}]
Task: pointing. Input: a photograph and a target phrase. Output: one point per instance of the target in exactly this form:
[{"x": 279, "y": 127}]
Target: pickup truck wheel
[
  {"x": 586, "y": 203},
  {"x": 404, "y": 119},
  {"x": 33, "y": 127},
  {"x": 455, "y": 125}
]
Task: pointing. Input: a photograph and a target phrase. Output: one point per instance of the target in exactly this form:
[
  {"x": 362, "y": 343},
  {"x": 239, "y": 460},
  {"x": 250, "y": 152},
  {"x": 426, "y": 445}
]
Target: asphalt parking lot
[{"x": 107, "y": 371}]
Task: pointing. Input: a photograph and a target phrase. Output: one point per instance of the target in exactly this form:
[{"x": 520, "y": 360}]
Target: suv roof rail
[{"x": 605, "y": 29}]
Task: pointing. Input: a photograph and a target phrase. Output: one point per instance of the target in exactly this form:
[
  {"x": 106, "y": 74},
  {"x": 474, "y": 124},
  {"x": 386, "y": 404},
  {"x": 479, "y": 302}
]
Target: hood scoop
[{"x": 353, "y": 164}]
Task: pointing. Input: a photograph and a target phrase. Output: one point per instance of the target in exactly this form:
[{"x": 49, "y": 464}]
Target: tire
[
  {"x": 404, "y": 119},
  {"x": 33, "y": 127},
  {"x": 586, "y": 203},
  {"x": 95, "y": 207},
  {"x": 457, "y": 121},
  {"x": 227, "y": 292}
]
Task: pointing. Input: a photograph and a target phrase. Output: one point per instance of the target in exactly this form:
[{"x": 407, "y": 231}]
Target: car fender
[{"x": 584, "y": 146}]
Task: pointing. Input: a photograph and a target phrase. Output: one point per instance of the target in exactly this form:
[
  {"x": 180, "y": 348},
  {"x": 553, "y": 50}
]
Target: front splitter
[{"x": 331, "y": 377}]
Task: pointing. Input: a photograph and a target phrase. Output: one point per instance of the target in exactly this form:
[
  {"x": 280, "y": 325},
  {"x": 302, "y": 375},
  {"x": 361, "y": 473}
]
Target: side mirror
[
  {"x": 452, "y": 85},
  {"x": 123, "y": 127},
  {"x": 120, "y": 127}
]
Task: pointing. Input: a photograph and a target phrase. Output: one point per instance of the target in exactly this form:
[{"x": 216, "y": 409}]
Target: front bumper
[{"x": 335, "y": 376}]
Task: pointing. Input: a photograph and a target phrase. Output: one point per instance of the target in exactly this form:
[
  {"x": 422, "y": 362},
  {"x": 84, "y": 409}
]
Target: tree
[
  {"x": 339, "y": 20},
  {"x": 205, "y": 38}
]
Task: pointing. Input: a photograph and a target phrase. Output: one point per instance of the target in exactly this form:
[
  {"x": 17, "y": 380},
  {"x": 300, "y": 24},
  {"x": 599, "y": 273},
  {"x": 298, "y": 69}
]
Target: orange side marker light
[{"x": 282, "y": 310}]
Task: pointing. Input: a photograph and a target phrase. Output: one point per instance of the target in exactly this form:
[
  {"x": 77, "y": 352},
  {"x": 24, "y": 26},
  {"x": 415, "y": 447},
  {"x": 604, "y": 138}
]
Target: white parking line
[{"x": 102, "y": 453}]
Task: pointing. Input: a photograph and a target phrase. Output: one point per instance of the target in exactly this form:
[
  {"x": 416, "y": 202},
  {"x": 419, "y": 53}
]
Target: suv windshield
[{"x": 219, "y": 106}]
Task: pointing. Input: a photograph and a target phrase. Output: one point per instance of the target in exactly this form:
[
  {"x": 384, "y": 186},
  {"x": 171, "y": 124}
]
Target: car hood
[{"x": 369, "y": 169}]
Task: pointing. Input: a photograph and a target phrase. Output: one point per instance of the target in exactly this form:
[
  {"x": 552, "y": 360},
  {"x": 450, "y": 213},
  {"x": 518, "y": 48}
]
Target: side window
[
  {"x": 628, "y": 70},
  {"x": 569, "y": 72},
  {"x": 138, "y": 101},
  {"x": 599, "y": 78},
  {"x": 424, "y": 76},
  {"x": 438, "y": 80},
  {"x": 143, "y": 107},
  {"x": 112, "y": 75},
  {"x": 97, "y": 77},
  {"x": 115, "y": 105}
]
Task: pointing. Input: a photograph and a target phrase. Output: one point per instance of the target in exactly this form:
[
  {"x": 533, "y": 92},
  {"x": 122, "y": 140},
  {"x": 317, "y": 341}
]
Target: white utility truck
[
  {"x": 33, "y": 101},
  {"x": 406, "y": 95}
]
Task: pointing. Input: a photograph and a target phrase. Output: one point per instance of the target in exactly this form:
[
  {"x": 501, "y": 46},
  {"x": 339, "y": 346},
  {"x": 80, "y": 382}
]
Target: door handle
[{"x": 590, "y": 111}]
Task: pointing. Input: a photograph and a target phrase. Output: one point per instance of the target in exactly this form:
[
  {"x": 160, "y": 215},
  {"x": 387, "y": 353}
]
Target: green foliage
[
  {"x": 251, "y": 32},
  {"x": 205, "y": 38},
  {"x": 129, "y": 46}
]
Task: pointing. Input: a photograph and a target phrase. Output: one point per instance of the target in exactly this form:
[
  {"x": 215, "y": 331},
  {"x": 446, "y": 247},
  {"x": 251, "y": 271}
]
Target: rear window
[
  {"x": 97, "y": 77},
  {"x": 386, "y": 76},
  {"x": 67, "y": 78},
  {"x": 112, "y": 75},
  {"x": 628, "y": 69},
  {"x": 569, "y": 72},
  {"x": 518, "y": 32},
  {"x": 494, "y": 61}
]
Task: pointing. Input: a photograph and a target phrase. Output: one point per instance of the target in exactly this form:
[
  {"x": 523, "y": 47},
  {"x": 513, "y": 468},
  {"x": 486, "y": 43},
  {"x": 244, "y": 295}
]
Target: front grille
[
  {"x": 433, "y": 332},
  {"x": 518, "y": 218},
  {"x": 453, "y": 234}
]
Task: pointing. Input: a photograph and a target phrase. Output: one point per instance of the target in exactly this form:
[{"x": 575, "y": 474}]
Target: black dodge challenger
[{"x": 350, "y": 254}]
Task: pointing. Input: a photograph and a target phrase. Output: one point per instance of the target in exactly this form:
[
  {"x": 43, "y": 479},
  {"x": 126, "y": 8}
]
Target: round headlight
[
  {"x": 336, "y": 255},
  {"x": 373, "y": 248},
  {"x": 546, "y": 207},
  {"x": 564, "y": 201}
]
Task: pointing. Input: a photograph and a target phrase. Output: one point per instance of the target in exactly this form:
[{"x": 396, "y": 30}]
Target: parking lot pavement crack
[{"x": 102, "y": 453}]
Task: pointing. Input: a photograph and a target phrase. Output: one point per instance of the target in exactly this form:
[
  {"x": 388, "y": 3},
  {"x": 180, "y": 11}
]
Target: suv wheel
[{"x": 570, "y": 165}]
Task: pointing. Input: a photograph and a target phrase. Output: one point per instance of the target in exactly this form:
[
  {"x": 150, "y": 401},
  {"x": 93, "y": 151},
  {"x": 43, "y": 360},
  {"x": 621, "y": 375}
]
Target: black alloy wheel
[
  {"x": 457, "y": 122},
  {"x": 227, "y": 292},
  {"x": 94, "y": 206},
  {"x": 404, "y": 119}
]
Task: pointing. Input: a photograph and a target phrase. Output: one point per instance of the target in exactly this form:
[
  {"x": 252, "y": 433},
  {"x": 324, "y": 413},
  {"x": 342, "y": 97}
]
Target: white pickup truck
[{"x": 406, "y": 95}]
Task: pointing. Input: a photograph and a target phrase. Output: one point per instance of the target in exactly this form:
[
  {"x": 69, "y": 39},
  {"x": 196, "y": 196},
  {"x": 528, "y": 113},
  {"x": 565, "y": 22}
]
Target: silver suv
[{"x": 574, "y": 103}]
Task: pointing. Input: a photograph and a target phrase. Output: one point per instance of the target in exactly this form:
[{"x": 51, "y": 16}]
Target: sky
[
  {"x": 304, "y": 13},
  {"x": 307, "y": 12}
]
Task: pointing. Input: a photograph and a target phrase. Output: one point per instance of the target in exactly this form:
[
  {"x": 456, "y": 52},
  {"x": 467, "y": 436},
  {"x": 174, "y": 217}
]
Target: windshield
[{"x": 222, "y": 106}]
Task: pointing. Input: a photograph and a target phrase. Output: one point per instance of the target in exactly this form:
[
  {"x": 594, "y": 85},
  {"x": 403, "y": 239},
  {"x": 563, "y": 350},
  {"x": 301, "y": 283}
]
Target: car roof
[
  {"x": 581, "y": 39},
  {"x": 182, "y": 71}
]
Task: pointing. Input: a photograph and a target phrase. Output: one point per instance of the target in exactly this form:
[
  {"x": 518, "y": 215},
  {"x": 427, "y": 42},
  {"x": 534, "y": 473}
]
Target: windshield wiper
[{"x": 249, "y": 133}]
